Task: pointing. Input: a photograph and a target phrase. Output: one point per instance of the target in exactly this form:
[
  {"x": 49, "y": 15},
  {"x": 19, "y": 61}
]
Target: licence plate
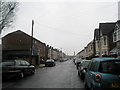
[{"x": 115, "y": 85}]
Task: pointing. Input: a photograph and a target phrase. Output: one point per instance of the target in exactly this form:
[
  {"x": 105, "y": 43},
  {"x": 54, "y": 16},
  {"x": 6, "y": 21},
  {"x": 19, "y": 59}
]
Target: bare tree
[{"x": 7, "y": 13}]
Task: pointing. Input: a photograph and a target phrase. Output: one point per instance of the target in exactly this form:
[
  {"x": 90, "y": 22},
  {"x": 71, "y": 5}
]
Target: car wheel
[
  {"x": 32, "y": 71},
  {"x": 77, "y": 66},
  {"x": 78, "y": 74},
  {"x": 21, "y": 75},
  {"x": 81, "y": 76},
  {"x": 86, "y": 86},
  {"x": 92, "y": 88}
]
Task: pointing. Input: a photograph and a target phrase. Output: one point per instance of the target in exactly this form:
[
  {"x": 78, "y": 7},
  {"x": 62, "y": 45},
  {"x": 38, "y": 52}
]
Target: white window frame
[
  {"x": 105, "y": 40},
  {"x": 115, "y": 36}
]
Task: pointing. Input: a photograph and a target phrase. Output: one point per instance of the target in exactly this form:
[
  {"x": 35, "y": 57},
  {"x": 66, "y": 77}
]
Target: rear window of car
[
  {"x": 111, "y": 67},
  {"x": 9, "y": 63}
]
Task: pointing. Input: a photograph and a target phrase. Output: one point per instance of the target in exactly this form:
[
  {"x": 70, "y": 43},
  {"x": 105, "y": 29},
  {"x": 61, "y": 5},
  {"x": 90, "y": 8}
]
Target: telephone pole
[{"x": 32, "y": 41}]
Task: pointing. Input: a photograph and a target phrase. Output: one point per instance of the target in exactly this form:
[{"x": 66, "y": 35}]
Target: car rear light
[{"x": 98, "y": 77}]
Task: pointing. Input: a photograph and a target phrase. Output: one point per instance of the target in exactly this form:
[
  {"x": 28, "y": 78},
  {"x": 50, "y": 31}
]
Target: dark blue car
[
  {"x": 103, "y": 73},
  {"x": 16, "y": 68}
]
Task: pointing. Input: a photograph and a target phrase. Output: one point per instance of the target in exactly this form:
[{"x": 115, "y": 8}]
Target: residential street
[{"x": 63, "y": 75}]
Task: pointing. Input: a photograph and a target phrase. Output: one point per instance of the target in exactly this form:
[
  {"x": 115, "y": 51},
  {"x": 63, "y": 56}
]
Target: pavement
[{"x": 40, "y": 66}]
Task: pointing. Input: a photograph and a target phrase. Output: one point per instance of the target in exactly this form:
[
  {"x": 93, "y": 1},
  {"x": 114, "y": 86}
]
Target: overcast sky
[{"x": 66, "y": 24}]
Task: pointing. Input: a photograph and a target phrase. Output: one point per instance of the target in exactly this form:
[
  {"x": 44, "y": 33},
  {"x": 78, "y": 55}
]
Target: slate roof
[
  {"x": 118, "y": 23},
  {"x": 106, "y": 28}
]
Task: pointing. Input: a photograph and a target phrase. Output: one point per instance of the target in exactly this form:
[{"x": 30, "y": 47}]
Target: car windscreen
[
  {"x": 85, "y": 64},
  {"x": 111, "y": 67},
  {"x": 8, "y": 63},
  {"x": 50, "y": 60},
  {"x": 79, "y": 60}
]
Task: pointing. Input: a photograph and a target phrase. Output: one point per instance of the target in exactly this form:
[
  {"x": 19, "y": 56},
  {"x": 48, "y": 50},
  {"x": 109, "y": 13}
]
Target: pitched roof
[
  {"x": 21, "y": 32},
  {"x": 118, "y": 23},
  {"x": 15, "y": 32},
  {"x": 106, "y": 28}
]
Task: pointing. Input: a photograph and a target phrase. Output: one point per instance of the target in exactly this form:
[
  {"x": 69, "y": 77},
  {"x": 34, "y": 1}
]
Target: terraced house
[
  {"x": 116, "y": 39},
  {"x": 106, "y": 42}
]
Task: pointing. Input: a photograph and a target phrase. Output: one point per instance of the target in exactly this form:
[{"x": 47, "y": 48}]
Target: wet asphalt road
[{"x": 63, "y": 75}]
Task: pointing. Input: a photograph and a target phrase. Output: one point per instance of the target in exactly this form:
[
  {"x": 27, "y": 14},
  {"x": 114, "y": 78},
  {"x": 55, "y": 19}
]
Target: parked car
[
  {"x": 50, "y": 62},
  {"x": 103, "y": 73},
  {"x": 82, "y": 68},
  {"x": 77, "y": 62},
  {"x": 74, "y": 59},
  {"x": 63, "y": 59},
  {"x": 19, "y": 68}
]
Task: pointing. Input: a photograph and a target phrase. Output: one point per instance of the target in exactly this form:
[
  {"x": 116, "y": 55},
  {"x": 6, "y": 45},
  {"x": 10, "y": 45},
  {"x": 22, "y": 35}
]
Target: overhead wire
[{"x": 58, "y": 30}]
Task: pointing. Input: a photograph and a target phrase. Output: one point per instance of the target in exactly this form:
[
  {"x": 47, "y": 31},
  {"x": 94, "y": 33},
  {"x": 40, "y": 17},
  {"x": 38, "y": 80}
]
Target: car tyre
[
  {"x": 32, "y": 71},
  {"x": 82, "y": 76},
  {"x": 86, "y": 86},
  {"x": 92, "y": 88},
  {"x": 21, "y": 76},
  {"x": 78, "y": 74}
]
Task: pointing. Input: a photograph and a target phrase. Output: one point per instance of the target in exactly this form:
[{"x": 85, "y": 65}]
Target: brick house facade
[{"x": 18, "y": 45}]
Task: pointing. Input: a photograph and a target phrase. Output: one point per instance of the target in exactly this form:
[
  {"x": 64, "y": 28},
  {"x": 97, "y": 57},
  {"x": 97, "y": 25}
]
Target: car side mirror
[{"x": 30, "y": 64}]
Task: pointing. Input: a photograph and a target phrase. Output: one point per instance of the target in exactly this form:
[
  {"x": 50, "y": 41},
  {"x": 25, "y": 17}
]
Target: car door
[
  {"x": 23, "y": 66},
  {"x": 90, "y": 74},
  {"x": 87, "y": 75},
  {"x": 79, "y": 68},
  {"x": 27, "y": 68}
]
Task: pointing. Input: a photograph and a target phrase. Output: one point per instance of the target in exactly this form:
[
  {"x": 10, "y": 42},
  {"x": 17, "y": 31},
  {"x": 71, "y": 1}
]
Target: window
[
  {"x": 8, "y": 63},
  {"x": 98, "y": 45},
  {"x": 114, "y": 37},
  {"x": 105, "y": 40},
  {"x": 93, "y": 66},
  {"x": 27, "y": 63},
  {"x": 118, "y": 34},
  {"x": 85, "y": 64},
  {"x": 112, "y": 67},
  {"x": 22, "y": 63},
  {"x": 89, "y": 65},
  {"x": 18, "y": 63}
]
